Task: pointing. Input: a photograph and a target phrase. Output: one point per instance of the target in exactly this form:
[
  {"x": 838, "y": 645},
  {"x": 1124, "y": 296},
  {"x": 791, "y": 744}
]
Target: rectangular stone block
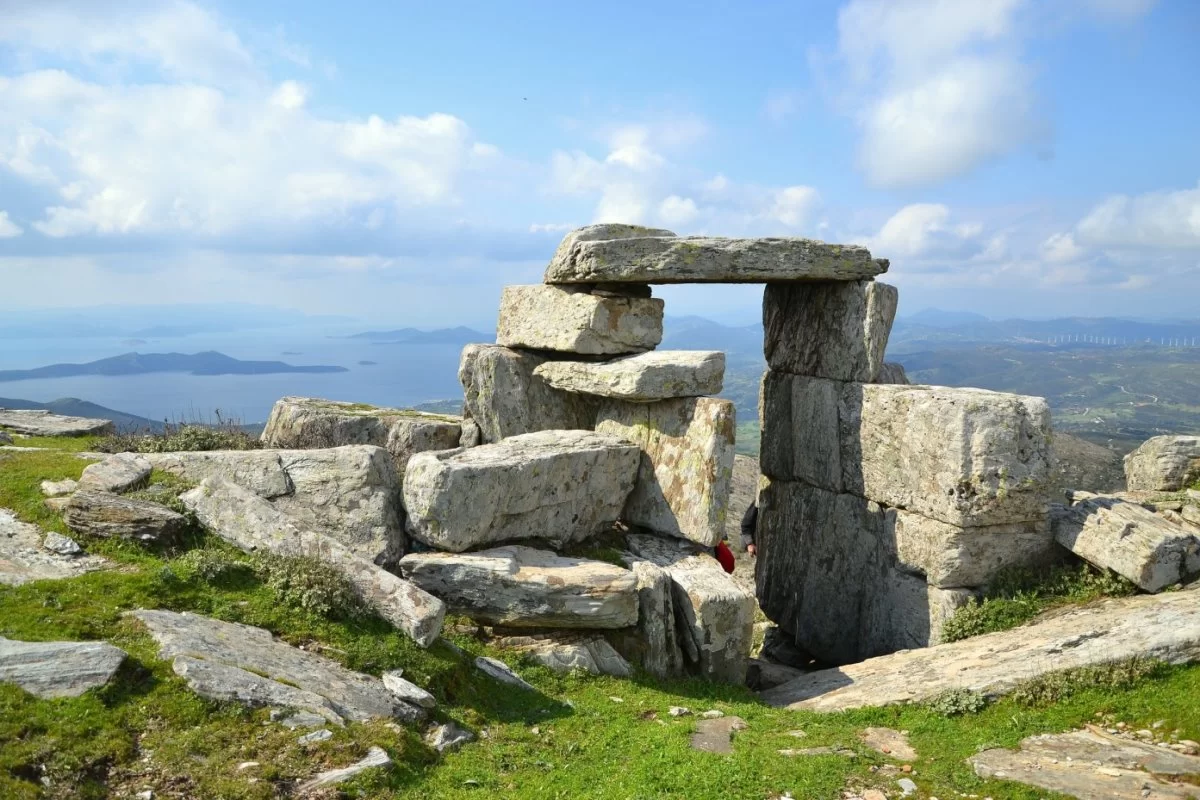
[
  {"x": 505, "y": 397},
  {"x": 953, "y": 556},
  {"x": 647, "y": 377},
  {"x": 573, "y": 321},
  {"x": 627, "y": 255},
  {"x": 686, "y": 469},
  {"x": 798, "y": 420},
  {"x": 966, "y": 457},
  {"x": 835, "y": 330},
  {"x": 557, "y": 486},
  {"x": 523, "y": 587}
]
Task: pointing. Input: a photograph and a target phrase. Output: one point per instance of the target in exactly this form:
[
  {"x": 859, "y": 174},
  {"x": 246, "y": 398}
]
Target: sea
[{"x": 401, "y": 375}]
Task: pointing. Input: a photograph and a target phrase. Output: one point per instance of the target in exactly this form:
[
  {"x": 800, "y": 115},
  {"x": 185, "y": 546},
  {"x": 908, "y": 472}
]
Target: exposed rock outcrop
[
  {"x": 58, "y": 669},
  {"x": 29, "y": 422},
  {"x": 591, "y": 654},
  {"x": 108, "y": 515},
  {"x": 117, "y": 473},
  {"x": 25, "y": 557},
  {"x": 1163, "y": 464}
]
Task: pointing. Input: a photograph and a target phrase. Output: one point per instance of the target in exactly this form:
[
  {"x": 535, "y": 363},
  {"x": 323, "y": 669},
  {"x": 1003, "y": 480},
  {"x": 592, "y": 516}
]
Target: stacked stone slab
[{"x": 888, "y": 505}]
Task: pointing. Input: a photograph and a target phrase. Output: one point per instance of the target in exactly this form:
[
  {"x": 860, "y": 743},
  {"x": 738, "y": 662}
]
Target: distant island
[
  {"x": 207, "y": 363},
  {"x": 459, "y": 335},
  {"x": 367, "y": 363}
]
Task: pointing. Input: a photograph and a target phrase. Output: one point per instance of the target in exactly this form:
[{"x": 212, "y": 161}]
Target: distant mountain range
[
  {"x": 459, "y": 335},
  {"x": 207, "y": 363}
]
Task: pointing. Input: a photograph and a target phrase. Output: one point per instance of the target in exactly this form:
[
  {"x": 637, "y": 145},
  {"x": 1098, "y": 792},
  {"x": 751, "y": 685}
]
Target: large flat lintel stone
[
  {"x": 647, "y": 377},
  {"x": 570, "y": 320},
  {"x": 701, "y": 259}
]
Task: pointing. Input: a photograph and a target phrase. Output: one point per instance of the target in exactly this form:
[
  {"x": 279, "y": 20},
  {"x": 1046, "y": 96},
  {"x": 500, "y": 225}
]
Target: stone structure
[{"x": 1164, "y": 464}]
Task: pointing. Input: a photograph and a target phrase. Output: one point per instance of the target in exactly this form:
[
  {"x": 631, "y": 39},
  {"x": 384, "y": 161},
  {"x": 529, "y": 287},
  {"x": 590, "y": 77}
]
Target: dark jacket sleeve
[{"x": 749, "y": 524}]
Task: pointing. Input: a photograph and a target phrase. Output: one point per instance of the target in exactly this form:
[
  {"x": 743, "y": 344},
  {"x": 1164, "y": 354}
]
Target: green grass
[
  {"x": 1017, "y": 596},
  {"x": 568, "y": 740}
]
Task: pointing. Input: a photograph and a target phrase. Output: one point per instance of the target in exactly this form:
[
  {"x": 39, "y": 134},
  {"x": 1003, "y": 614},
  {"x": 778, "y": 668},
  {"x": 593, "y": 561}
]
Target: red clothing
[{"x": 725, "y": 556}]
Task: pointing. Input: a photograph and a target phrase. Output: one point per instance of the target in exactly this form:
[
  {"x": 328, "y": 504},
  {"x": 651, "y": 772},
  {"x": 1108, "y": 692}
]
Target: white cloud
[
  {"x": 782, "y": 104},
  {"x": 8, "y": 228},
  {"x": 1167, "y": 220},
  {"x": 794, "y": 205},
  {"x": 924, "y": 230},
  {"x": 1060, "y": 248},
  {"x": 552, "y": 227},
  {"x": 676, "y": 210}
]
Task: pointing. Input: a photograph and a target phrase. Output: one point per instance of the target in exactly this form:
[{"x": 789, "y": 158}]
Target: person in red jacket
[{"x": 724, "y": 555}]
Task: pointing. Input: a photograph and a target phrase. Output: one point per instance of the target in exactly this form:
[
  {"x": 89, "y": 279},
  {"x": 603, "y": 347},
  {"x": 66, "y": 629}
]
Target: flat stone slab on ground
[
  {"x": 1129, "y": 539},
  {"x": 716, "y": 735},
  {"x": 448, "y": 737},
  {"x": 308, "y": 422},
  {"x": 43, "y": 423},
  {"x": 58, "y": 669},
  {"x": 1160, "y": 464},
  {"x": 117, "y": 473},
  {"x": 1163, "y": 626},
  {"x": 376, "y": 757},
  {"x": 654, "y": 258},
  {"x": 254, "y": 652},
  {"x": 570, "y": 320},
  {"x": 657, "y": 375},
  {"x": 498, "y": 670},
  {"x": 561, "y": 654},
  {"x": 559, "y": 486},
  {"x": 524, "y": 587},
  {"x": 889, "y": 742},
  {"x": 1091, "y": 765},
  {"x": 24, "y": 556},
  {"x": 113, "y": 516},
  {"x": 248, "y": 521}
]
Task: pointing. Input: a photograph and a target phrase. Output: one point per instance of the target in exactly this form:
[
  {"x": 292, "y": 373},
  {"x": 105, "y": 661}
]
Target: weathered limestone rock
[
  {"x": 963, "y": 456},
  {"x": 889, "y": 742},
  {"x": 44, "y": 423},
  {"x": 1161, "y": 464},
  {"x": 523, "y": 587},
  {"x": 506, "y": 398},
  {"x": 202, "y": 642},
  {"x": 653, "y": 257},
  {"x": 498, "y": 670},
  {"x": 658, "y": 645},
  {"x": 307, "y": 422},
  {"x": 950, "y": 555},
  {"x": 1129, "y": 539},
  {"x": 562, "y": 654},
  {"x": 714, "y": 615},
  {"x": 24, "y": 557},
  {"x": 1163, "y": 626},
  {"x": 117, "y": 473},
  {"x": 799, "y": 438},
  {"x": 59, "y": 488},
  {"x": 573, "y": 321},
  {"x": 559, "y": 486},
  {"x": 376, "y": 757},
  {"x": 63, "y": 545},
  {"x": 58, "y": 669},
  {"x": 406, "y": 690},
  {"x": 1091, "y": 765},
  {"x": 683, "y": 482},
  {"x": 835, "y": 330},
  {"x": 602, "y": 232},
  {"x": 715, "y": 734},
  {"x": 893, "y": 372},
  {"x": 253, "y": 524},
  {"x": 448, "y": 736},
  {"x": 260, "y": 471},
  {"x": 108, "y": 515},
  {"x": 230, "y": 684},
  {"x": 814, "y": 549},
  {"x": 658, "y": 375}
]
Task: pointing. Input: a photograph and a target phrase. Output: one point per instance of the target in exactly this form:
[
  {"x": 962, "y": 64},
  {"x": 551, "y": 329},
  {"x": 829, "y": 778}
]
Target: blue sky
[{"x": 401, "y": 162}]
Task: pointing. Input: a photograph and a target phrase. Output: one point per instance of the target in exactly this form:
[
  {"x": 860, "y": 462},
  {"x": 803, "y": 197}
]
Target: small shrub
[
  {"x": 210, "y": 566},
  {"x": 311, "y": 584},
  {"x": 224, "y": 435},
  {"x": 1055, "y": 687},
  {"x": 957, "y": 702}
]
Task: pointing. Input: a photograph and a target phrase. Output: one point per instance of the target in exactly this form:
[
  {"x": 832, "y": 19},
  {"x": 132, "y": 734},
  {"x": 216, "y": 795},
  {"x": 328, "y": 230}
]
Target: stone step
[
  {"x": 556, "y": 486},
  {"x": 523, "y": 587},
  {"x": 571, "y": 320},
  {"x": 1163, "y": 626},
  {"x": 625, "y": 254},
  {"x": 659, "y": 375}
]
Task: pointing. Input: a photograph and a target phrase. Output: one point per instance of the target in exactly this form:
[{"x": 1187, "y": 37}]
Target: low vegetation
[
  {"x": 577, "y": 736},
  {"x": 224, "y": 435}
]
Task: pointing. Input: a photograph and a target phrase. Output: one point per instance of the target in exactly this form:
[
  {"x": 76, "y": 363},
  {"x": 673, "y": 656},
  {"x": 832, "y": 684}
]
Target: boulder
[
  {"x": 573, "y": 321},
  {"x": 24, "y": 556},
  {"x": 506, "y": 398},
  {"x": 248, "y": 521},
  {"x": 406, "y": 690},
  {"x": 1092, "y": 765},
  {"x": 1163, "y": 626},
  {"x": 560, "y": 654},
  {"x": 683, "y": 481},
  {"x": 448, "y": 737},
  {"x": 117, "y": 473},
  {"x": 522, "y": 587},
  {"x": 558, "y": 486},
  {"x": 109, "y": 515},
  {"x": 58, "y": 669},
  {"x": 252, "y": 655},
  {"x": 30, "y": 422},
  {"x": 59, "y": 488},
  {"x": 892, "y": 372},
  {"x": 657, "y": 641},
  {"x": 654, "y": 257},
  {"x": 658, "y": 375},
  {"x": 962, "y": 456},
  {"x": 1160, "y": 464},
  {"x": 63, "y": 545},
  {"x": 714, "y": 615},
  {"x": 835, "y": 330},
  {"x": 350, "y": 493},
  {"x": 307, "y": 422},
  {"x": 1129, "y": 539}
]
